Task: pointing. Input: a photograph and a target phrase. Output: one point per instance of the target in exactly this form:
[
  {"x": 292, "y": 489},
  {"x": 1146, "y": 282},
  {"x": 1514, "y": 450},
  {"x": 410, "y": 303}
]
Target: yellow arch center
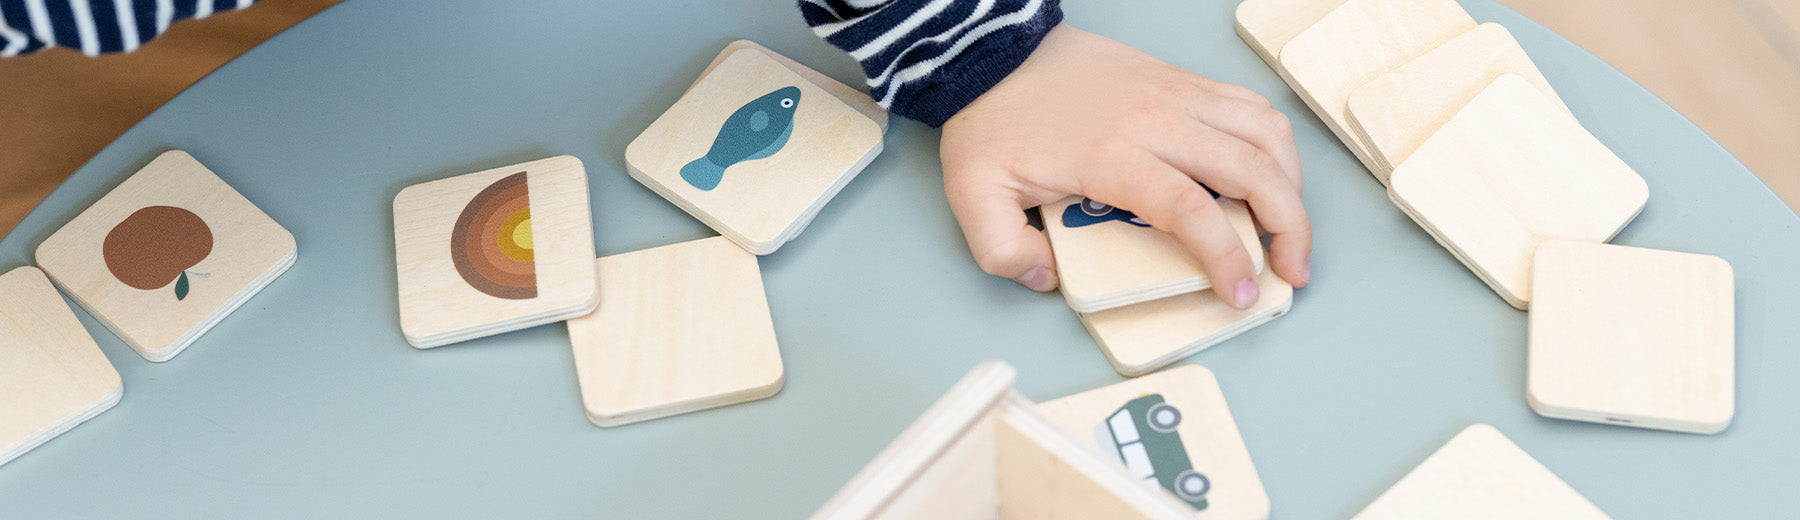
[{"x": 515, "y": 236}]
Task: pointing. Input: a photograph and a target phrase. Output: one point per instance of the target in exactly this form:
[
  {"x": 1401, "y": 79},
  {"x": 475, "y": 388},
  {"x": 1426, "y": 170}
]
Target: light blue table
[{"x": 307, "y": 403}]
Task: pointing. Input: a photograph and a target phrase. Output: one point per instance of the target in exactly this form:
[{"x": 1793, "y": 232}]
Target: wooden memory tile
[
  {"x": 494, "y": 251},
  {"x": 1358, "y": 42},
  {"x": 755, "y": 149},
  {"x": 1173, "y": 430},
  {"x": 1268, "y": 25},
  {"x": 1630, "y": 336},
  {"x": 1395, "y": 113},
  {"x": 52, "y": 375},
  {"x": 985, "y": 452},
  {"x": 1480, "y": 475},
  {"x": 1107, "y": 257},
  {"x": 680, "y": 328},
  {"x": 1509, "y": 171},
  {"x": 1143, "y": 337},
  {"x": 166, "y": 255}
]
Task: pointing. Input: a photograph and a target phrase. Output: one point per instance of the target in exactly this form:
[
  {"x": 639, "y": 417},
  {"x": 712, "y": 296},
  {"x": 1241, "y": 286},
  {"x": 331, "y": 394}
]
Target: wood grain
[
  {"x": 680, "y": 328},
  {"x": 1633, "y": 337},
  {"x": 52, "y": 375},
  {"x": 1207, "y": 431},
  {"x": 1113, "y": 264},
  {"x": 249, "y": 250},
  {"x": 438, "y": 307},
  {"x": 761, "y": 203},
  {"x": 1509, "y": 171},
  {"x": 1141, "y": 338},
  {"x": 1480, "y": 475},
  {"x": 1358, "y": 42},
  {"x": 1395, "y": 113},
  {"x": 1268, "y": 25}
]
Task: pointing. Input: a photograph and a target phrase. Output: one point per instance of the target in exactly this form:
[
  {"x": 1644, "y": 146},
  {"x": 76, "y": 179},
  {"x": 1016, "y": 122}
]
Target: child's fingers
[
  {"x": 1263, "y": 127},
  {"x": 1238, "y": 170},
  {"x": 1172, "y": 202},
  {"x": 993, "y": 222}
]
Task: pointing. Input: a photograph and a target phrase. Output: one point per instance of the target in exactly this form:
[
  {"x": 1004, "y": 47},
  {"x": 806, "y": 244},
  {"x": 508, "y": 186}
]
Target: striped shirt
[
  {"x": 95, "y": 27},
  {"x": 926, "y": 59}
]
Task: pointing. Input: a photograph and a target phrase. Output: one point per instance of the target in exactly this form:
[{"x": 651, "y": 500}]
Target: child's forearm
[
  {"x": 927, "y": 59},
  {"x": 95, "y": 27}
]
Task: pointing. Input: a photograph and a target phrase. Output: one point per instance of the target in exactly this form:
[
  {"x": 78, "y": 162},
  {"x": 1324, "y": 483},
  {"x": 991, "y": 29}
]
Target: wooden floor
[{"x": 1732, "y": 66}]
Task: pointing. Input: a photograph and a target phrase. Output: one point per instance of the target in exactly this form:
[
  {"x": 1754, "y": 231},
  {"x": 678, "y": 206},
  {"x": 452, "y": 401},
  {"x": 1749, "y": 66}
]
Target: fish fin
[
  {"x": 774, "y": 145},
  {"x": 703, "y": 174}
]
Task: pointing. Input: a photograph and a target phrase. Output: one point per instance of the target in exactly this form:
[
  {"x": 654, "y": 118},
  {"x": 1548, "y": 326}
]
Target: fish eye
[{"x": 787, "y": 102}]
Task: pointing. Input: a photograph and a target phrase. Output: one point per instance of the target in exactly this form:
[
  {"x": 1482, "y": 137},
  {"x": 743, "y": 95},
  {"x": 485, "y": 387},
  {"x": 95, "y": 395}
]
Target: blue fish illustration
[
  {"x": 757, "y": 130},
  {"x": 1090, "y": 212}
]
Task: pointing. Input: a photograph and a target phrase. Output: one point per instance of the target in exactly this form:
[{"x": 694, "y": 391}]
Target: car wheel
[
  {"x": 1190, "y": 485},
  {"x": 1163, "y": 418},
  {"x": 1094, "y": 208}
]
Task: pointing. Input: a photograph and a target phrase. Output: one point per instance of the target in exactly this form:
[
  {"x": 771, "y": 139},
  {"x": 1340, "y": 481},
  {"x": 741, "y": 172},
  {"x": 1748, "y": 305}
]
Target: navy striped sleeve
[
  {"x": 927, "y": 59},
  {"x": 96, "y": 27}
]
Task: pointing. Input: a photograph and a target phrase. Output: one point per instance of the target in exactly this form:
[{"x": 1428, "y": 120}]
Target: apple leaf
[{"x": 181, "y": 286}]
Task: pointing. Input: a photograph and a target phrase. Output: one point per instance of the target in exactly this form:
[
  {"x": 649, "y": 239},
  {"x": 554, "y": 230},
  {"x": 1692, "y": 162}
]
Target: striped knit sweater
[
  {"x": 96, "y": 26},
  {"x": 925, "y": 59}
]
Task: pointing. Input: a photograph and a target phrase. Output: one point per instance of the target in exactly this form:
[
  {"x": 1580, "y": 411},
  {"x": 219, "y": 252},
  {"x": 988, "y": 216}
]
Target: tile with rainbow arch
[
  {"x": 494, "y": 251},
  {"x": 757, "y": 146}
]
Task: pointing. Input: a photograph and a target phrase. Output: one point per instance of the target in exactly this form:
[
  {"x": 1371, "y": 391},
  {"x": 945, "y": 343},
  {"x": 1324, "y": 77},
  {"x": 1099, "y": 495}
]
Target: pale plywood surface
[
  {"x": 248, "y": 251},
  {"x": 1732, "y": 67},
  {"x": 680, "y": 328},
  {"x": 1143, "y": 337},
  {"x": 913, "y": 454},
  {"x": 1111, "y": 264},
  {"x": 1358, "y": 42},
  {"x": 1480, "y": 475},
  {"x": 960, "y": 484},
  {"x": 1395, "y": 113},
  {"x": 1044, "y": 473},
  {"x": 1268, "y": 25},
  {"x": 1207, "y": 431},
  {"x": 438, "y": 306},
  {"x": 1509, "y": 171},
  {"x": 52, "y": 375},
  {"x": 856, "y": 99},
  {"x": 1631, "y": 336},
  {"x": 759, "y": 203}
]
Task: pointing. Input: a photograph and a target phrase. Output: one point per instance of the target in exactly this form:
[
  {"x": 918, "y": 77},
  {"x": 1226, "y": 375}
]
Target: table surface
[{"x": 307, "y": 402}]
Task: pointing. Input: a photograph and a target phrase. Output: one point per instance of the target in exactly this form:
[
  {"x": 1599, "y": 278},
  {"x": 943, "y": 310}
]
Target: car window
[{"x": 1123, "y": 429}]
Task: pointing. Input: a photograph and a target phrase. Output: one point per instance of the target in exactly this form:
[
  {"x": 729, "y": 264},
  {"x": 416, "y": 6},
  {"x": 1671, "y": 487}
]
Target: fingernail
[
  {"x": 1245, "y": 295},
  {"x": 1306, "y": 273},
  {"x": 1038, "y": 279}
]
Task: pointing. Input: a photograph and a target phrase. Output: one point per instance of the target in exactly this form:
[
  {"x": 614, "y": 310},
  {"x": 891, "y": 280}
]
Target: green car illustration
[{"x": 1142, "y": 435}]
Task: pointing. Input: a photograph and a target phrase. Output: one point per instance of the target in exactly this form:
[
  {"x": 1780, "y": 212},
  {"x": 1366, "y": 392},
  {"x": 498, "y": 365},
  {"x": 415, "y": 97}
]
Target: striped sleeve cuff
[
  {"x": 927, "y": 59},
  {"x": 96, "y": 27}
]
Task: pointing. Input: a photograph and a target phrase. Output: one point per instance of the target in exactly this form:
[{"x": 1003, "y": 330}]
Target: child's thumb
[{"x": 1001, "y": 240}]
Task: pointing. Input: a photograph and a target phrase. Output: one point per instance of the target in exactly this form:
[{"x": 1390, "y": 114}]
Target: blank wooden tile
[
  {"x": 1480, "y": 475},
  {"x": 755, "y": 149},
  {"x": 494, "y": 251},
  {"x": 1120, "y": 417},
  {"x": 680, "y": 328},
  {"x": 52, "y": 375},
  {"x": 166, "y": 255},
  {"x": 1267, "y": 25},
  {"x": 1107, "y": 258},
  {"x": 1509, "y": 171},
  {"x": 1358, "y": 42},
  {"x": 1395, "y": 113},
  {"x": 1140, "y": 338},
  {"x": 1631, "y": 336}
]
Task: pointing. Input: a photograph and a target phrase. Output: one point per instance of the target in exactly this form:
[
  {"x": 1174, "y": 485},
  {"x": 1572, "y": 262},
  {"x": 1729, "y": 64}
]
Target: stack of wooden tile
[
  {"x": 1474, "y": 144},
  {"x": 52, "y": 375},
  {"x": 1143, "y": 297}
]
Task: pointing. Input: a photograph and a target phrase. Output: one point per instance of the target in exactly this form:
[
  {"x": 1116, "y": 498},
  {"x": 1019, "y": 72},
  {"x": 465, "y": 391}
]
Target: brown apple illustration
[{"x": 156, "y": 245}]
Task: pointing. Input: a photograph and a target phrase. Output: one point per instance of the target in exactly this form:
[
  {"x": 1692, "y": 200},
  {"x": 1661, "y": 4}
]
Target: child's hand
[{"x": 1088, "y": 115}]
